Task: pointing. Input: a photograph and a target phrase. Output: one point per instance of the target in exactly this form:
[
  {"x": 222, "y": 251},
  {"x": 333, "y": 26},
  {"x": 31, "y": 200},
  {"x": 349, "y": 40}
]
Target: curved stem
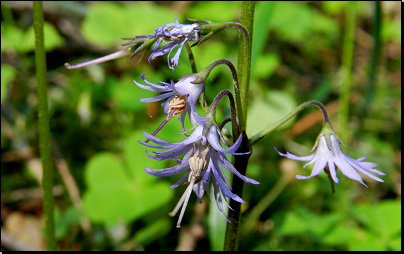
[
  {"x": 234, "y": 121},
  {"x": 43, "y": 127},
  {"x": 302, "y": 106},
  {"x": 191, "y": 57}
]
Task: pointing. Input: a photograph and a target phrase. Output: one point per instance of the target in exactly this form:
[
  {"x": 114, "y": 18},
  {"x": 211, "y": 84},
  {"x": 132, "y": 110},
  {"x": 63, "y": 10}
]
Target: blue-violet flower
[
  {"x": 177, "y": 34},
  {"x": 204, "y": 156},
  {"x": 328, "y": 156},
  {"x": 182, "y": 97}
]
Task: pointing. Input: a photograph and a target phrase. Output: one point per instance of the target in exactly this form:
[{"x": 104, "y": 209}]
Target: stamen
[
  {"x": 180, "y": 202},
  {"x": 197, "y": 165},
  {"x": 188, "y": 192},
  {"x": 178, "y": 104}
]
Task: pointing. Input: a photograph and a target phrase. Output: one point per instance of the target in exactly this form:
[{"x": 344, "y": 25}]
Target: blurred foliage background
[{"x": 104, "y": 200}]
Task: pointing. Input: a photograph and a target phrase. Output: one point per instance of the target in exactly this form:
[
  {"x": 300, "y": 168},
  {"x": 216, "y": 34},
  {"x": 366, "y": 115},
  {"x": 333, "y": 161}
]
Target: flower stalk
[
  {"x": 289, "y": 116},
  {"x": 43, "y": 127}
]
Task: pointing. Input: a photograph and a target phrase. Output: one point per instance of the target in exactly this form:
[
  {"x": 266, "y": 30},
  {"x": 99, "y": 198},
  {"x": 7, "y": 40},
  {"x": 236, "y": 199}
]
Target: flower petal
[{"x": 295, "y": 157}]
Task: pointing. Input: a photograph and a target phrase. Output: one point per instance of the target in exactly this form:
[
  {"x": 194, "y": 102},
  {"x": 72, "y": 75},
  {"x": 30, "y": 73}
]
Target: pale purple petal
[
  {"x": 318, "y": 167},
  {"x": 333, "y": 172},
  {"x": 227, "y": 165},
  {"x": 167, "y": 171},
  {"x": 158, "y": 97},
  {"x": 294, "y": 157}
]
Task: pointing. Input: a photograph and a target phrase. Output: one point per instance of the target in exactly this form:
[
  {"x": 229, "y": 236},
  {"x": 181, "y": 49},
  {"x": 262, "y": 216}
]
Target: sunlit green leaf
[
  {"x": 113, "y": 196},
  {"x": 268, "y": 109}
]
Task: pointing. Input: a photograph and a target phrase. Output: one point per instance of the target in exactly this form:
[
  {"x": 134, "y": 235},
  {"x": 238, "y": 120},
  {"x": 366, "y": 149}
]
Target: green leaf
[
  {"x": 127, "y": 94},
  {"x": 10, "y": 37},
  {"x": 64, "y": 220},
  {"x": 52, "y": 39},
  {"x": 294, "y": 224},
  {"x": 107, "y": 22},
  {"x": 16, "y": 40},
  {"x": 114, "y": 196},
  {"x": 215, "y": 11},
  {"x": 7, "y": 75},
  {"x": 138, "y": 163},
  {"x": 267, "y": 65},
  {"x": 268, "y": 109},
  {"x": 297, "y": 22},
  {"x": 383, "y": 218},
  {"x": 209, "y": 52},
  {"x": 153, "y": 231},
  {"x": 341, "y": 234}
]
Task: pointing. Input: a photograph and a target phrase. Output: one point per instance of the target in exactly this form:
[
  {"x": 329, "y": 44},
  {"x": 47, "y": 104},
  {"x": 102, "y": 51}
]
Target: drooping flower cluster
[
  {"x": 204, "y": 156},
  {"x": 201, "y": 155},
  {"x": 202, "y": 152}
]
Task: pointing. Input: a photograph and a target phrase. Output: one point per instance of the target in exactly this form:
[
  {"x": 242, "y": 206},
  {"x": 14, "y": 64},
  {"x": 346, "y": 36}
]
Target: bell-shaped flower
[
  {"x": 178, "y": 34},
  {"x": 205, "y": 157},
  {"x": 328, "y": 156},
  {"x": 182, "y": 97}
]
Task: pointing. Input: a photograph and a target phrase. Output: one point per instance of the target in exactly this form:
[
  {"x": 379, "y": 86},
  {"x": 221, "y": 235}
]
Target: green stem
[
  {"x": 191, "y": 57},
  {"x": 241, "y": 94},
  {"x": 289, "y": 116},
  {"x": 244, "y": 63},
  {"x": 346, "y": 68},
  {"x": 43, "y": 127}
]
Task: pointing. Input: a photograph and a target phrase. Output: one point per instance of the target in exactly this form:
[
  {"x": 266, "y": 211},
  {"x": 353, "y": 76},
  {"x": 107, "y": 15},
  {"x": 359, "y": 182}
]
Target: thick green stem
[
  {"x": 244, "y": 63},
  {"x": 241, "y": 94},
  {"x": 289, "y": 116},
  {"x": 43, "y": 127}
]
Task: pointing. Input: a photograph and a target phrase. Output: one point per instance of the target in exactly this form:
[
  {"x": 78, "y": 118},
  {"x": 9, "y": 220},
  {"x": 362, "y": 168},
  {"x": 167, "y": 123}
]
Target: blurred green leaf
[
  {"x": 23, "y": 42},
  {"x": 153, "y": 231},
  {"x": 215, "y": 11},
  {"x": 263, "y": 15},
  {"x": 267, "y": 65},
  {"x": 10, "y": 37},
  {"x": 127, "y": 94},
  {"x": 383, "y": 218},
  {"x": 107, "y": 22},
  {"x": 114, "y": 196},
  {"x": 268, "y": 109},
  {"x": 295, "y": 21},
  {"x": 63, "y": 220},
  {"x": 209, "y": 52},
  {"x": 293, "y": 224},
  {"x": 137, "y": 163},
  {"x": 7, "y": 75},
  {"x": 341, "y": 234}
]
